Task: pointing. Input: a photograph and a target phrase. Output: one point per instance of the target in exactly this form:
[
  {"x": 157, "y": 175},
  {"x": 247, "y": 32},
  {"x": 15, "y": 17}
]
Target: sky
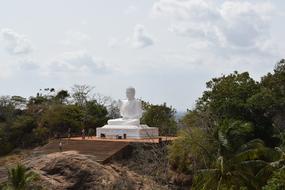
[{"x": 166, "y": 49}]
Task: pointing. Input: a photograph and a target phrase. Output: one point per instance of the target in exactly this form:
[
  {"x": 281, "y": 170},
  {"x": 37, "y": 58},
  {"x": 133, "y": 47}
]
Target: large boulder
[{"x": 70, "y": 170}]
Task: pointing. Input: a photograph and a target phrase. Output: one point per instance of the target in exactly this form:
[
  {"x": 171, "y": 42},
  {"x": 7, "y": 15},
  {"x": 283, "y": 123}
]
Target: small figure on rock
[
  {"x": 69, "y": 133},
  {"x": 60, "y": 146},
  {"x": 83, "y": 133}
]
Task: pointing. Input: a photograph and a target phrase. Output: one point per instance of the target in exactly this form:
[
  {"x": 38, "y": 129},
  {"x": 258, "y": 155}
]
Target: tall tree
[
  {"x": 62, "y": 96},
  {"x": 81, "y": 93}
]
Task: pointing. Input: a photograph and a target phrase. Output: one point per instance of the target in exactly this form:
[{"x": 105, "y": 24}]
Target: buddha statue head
[{"x": 130, "y": 93}]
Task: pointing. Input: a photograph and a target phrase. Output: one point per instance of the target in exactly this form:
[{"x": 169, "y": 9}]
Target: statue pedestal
[{"x": 127, "y": 131}]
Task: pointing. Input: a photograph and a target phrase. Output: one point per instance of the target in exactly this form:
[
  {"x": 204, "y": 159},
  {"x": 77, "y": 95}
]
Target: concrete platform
[
  {"x": 129, "y": 140},
  {"x": 101, "y": 151},
  {"x": 127, "y": 131}
]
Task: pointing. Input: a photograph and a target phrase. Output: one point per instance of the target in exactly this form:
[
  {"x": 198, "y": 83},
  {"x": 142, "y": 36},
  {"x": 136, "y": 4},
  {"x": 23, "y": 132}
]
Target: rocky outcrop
[{"x": 70, "y": 170}]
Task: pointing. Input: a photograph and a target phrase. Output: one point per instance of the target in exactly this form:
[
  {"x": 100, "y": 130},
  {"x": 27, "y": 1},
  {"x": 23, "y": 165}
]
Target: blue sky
[{"x": 166, "y": 49}]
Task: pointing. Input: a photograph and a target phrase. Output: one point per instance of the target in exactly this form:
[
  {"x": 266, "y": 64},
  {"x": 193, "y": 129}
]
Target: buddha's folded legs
[{"x": 123, "y": 121}]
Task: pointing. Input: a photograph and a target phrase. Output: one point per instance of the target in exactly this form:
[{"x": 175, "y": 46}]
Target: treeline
[
  {"x": 26, "y": 123},
  {"x": 235, "y": 136}
]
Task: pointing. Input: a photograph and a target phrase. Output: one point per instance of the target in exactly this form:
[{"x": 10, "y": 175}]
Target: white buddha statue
[
  {"x": 128, "y": 126},
  {"x": 130, "y": 110}
]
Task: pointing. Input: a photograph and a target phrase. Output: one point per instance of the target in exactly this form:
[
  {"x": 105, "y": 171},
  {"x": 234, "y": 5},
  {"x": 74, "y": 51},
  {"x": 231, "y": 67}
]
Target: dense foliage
[
  {"x": 234, "y": 138},
  {"x": 160, "y": 116},
  {"x": 27, "y": 123}
]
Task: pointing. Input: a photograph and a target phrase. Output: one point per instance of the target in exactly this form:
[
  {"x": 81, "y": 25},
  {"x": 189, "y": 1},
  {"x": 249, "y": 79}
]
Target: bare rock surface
[{"x": 73, "y": 171}]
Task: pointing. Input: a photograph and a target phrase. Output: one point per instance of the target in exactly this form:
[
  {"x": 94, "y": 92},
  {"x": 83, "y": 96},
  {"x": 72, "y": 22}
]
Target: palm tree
[
  {"x": 248, "y": 168},
  {"x": 19, "y": 178}
]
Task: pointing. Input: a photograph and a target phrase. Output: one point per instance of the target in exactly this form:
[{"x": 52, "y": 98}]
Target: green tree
[
  {"x": 232, "y": 134},
  {"x": 198, "y": 118},
  {"x": 21, "y": 131},
  {"x": 227, "y": 96},
  {"x": 244, "y": 169},
  {"x": 95, "y": 114},
  {"x": 271, "y": 99},
  {"x": 61, "y": 96},
  {"x": 160, "y": 116},
  {"x": 8, "y": 109},
  {"x": 233, "y": 115},
  {"x": 233, "y": 97},
  {"x": 58, "y": 118}
]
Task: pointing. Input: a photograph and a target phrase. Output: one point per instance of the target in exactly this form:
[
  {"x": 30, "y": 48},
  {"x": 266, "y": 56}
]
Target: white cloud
[
  {"x": 245, "y": 24},
  {"x": 198, "y": 10},
  {"x": 84, "y": 22},
  {"x": 141, "y": 38},
  {"x": 28, "y": 65},
  {"x": 75, "y": 38},
  {"x": 113, "y": 43},
  {"x": 235, "y": 25},
  {"x": 16, "y": 44},
  {"x": 130, "y": 10},
  {"x": 5, "y": 70},
  {"x": 80, "y": 62}
]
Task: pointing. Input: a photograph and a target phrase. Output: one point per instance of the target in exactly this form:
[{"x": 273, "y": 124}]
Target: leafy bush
[
  {"x": 193, "y": 149},
  {"x": 160, "y": 116},
  {"x": 277, "y": 181},
  {"x": 20, "y": 178}
]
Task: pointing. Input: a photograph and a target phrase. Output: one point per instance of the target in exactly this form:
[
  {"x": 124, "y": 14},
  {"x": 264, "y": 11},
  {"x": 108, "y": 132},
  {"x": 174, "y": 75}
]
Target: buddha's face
[{"x": 130, "y": 93}]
